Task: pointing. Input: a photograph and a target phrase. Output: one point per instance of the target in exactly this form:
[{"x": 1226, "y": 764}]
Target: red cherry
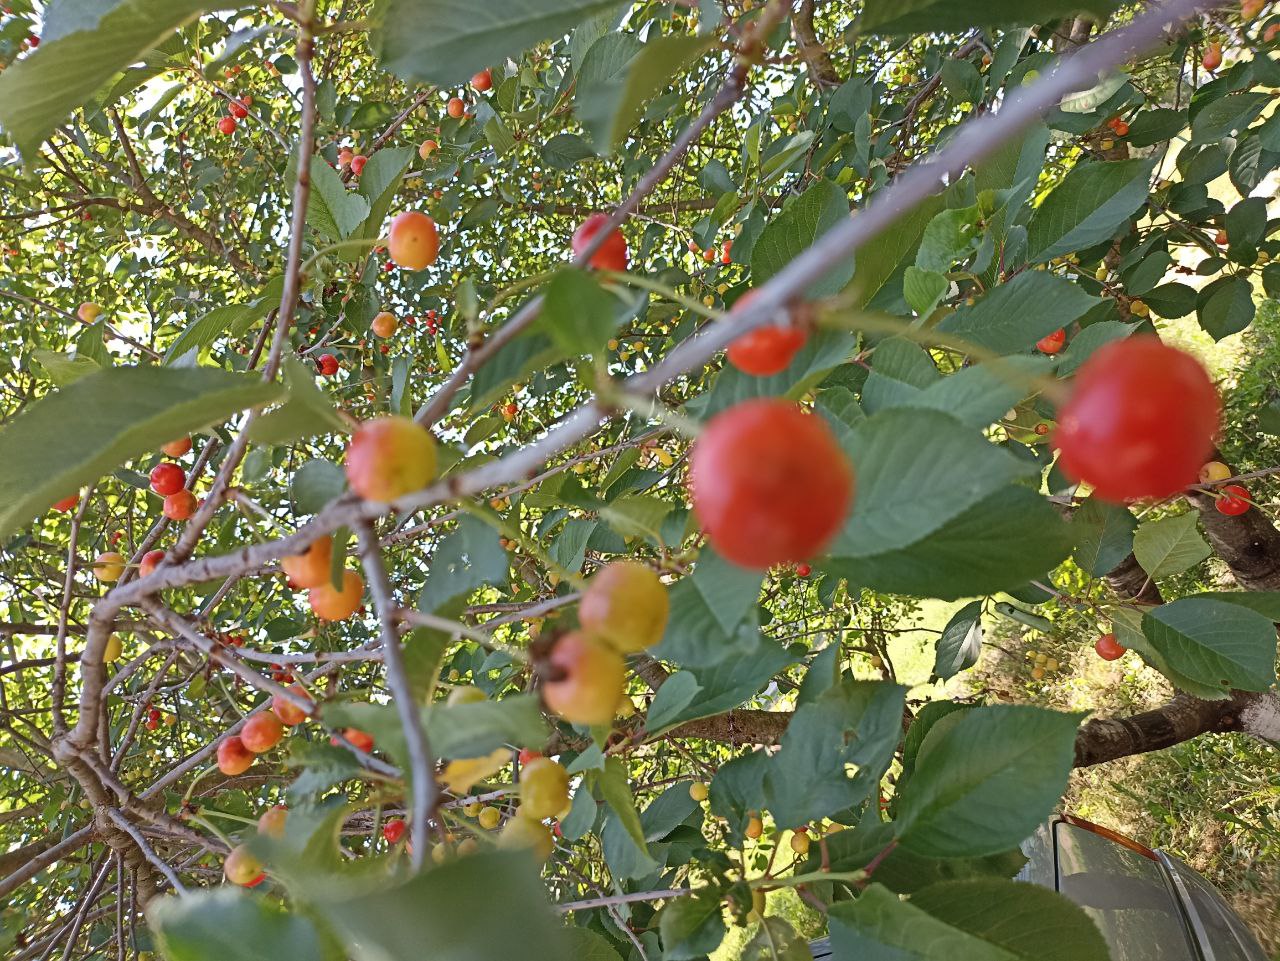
[
  {"x": 1234, "y": 501},
  {"x": 357, "y": 163},
  {"x": 1108, "y": 647},
  {"x": 1052, "y": 343},
  {"x": 167, "y": 479},
  {"x": 803, "y": 570},
  {"x": 357, "y": 738},
  {"x": 766, "y": 350},
  {"x": 227, "y": 126},
  {"x": 237, "y": 109},
  {"x": 612, "y": 255},
  {"x": 1140, "y": 421},
  {"x": 179, "y": 506},
  {"x": 769, "y": 483},
  {"x": 67, "y": 503},
  {"x": 456, "y": 108},
  {"x": 393, "y": 830},
  {"x": 33, "y": 41},
  {"x": 483, "y": 80},
  {"x": 328, "y": 365},
  {"x": 150, "y": 561},
  {"x": 527, "y": 755}
]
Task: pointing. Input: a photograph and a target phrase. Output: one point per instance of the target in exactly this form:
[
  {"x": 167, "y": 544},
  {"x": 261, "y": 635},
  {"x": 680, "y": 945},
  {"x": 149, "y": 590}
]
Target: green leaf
[
  {"x": 446, "y": 42},
  {"x": 1104, "y": 536},
  {"x": 1226, "y": 307},
  {"x": 824, "y": 352},
  {"x": 723, "y": 686},
  {"x": 379, "y": 182},
  {"x": 1171, "y": 300},
  {"x": 923, "y": 289},
  {"x": 469, "y": 558},
  {"x": 951, "y": 236},
  {"x": 229, "y": 924},
  {"x": 1170, "y": 545},
  {"x": 612, "y": 105},
  {"x": 925, "y": 721},
  {"x": 738, "y": 788},
  {"x": 1088, "y": 207},
  {"x": 436, "y": 911},
  {"x": 1228, "y": 116},
  {"x": 1156, "y": 126},
  {"x": 946, "y": 16},
  {"x": 73, "y": 436},
  {"x": 985, "y": 782},
  {"x": 1013, "y": 316},
  {"x": 798, "y": 227},
  {"x": 613, "y": 787},
  {"x": 584, "y": 944},
  {"x": 977, "y": 920},
  {"x": 1088, "y": 340},
  {"x": 1217, "y": 644},
  {"x": 981, "y": 394},
  {"x": 637, "y": 515},
  {"x": 564, "y": 150},
  {"x": 1266, "y": 603},
  {"x": 63, "y": 369},
  {"x": 960, "y": 645},
  {"x": 315, "y": 484},
  {"x": 38, "y": 91},
  {"x": 307, "y": 411},
  {"x": 1126, "y": 622},
  {"x": 776, "y": 940},
  {"x": 691, "y": 926},
  {"x": 708, "y": 621},
  {"x": 231, "y": 320},
  {"x": 856, "y": 724},
  {"x": 577, "y": 312},
  {"x": 479, "y": 728},
  {"x": 332, "y": 209}
]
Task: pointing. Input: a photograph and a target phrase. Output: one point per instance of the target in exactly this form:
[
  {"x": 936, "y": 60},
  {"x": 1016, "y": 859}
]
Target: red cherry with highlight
[
  {"x": 1108, "y": 647},
  {"x": 357, "y": 163},
  {"x": 1052, "y": 343},
  {"x": 394, "y": 830},
  {"x": 1140, "y": 421},
  {"x": 769, "y": 483},
  {"x": 237, "y": 109},
  {"x": 766, "y": 350},
  {"x": 612, "y": 254},
  {"x": 167, "y": 479},
  {"x": 227, "y": 126},
  {"x": 1234, "y": 501},
  {"x": 327, "y": 365}
]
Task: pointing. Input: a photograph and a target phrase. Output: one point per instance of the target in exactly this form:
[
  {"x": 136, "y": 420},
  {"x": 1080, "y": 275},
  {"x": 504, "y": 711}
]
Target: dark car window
[
  {"x": 1225, "y": 933},
  {"x": 1126, "y": 894}
]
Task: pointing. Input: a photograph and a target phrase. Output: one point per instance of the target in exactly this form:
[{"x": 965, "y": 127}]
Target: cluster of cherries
[{"x": 237, "y": 110}]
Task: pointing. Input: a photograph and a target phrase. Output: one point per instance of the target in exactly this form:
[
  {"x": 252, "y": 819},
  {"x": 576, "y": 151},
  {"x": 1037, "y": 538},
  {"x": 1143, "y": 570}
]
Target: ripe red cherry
[
  {"x": 803, "y": 570},
  {"x": 1140, "y": 421},
  {"x": 1108, "y": 647},
  {"x": 612, "y": 254},
  {"x": 456, "y": 108},
  {"x": 233, "y": 757},
  {"x": 393, "y": 830},
  {"x": 33, "y": 41},
  {"x": 1234, "y": 501},
  {"x": 357, "y": 163},
  {"x": 357, "y": 738},
  {"x": 328, "y": 365},
  {"x": 527, "y": 755},
  {"x": 179, "y": 506},
  {"x": 238, "y": 109},
  {"x": 1052, "y": 343},
  {"x": 769, "y": 483},
  {"x": 483, "y": 80},
  {"x": 227, "y": 126},
  {"x": 67, "y": 503},
  {"x": 150, "y": 561},
  {"x": 767, "y": 350},
  {"x": 167, "y": 479}
]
